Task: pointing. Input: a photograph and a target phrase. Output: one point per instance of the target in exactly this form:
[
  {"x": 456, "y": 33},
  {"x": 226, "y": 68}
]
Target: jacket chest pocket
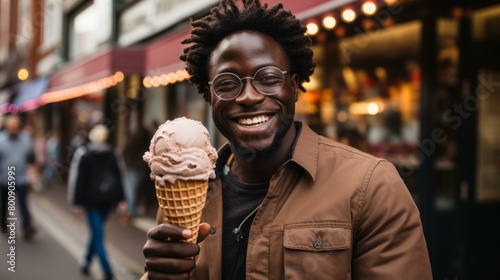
[{"x": 317, "y": 252}]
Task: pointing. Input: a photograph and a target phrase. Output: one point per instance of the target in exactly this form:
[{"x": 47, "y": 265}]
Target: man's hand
[{"x": 167, "y": 256}]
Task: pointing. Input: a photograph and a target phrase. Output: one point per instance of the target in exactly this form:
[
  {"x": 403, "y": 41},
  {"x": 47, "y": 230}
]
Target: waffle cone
[{"x": 182, "y": 202}]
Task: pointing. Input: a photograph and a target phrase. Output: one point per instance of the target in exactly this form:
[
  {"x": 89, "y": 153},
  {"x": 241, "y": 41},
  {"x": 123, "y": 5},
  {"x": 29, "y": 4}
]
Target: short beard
[{"x": 257, "y": 156}]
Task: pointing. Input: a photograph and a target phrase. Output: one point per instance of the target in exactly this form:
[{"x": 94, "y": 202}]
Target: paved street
[{"x": 59, "y": 244}]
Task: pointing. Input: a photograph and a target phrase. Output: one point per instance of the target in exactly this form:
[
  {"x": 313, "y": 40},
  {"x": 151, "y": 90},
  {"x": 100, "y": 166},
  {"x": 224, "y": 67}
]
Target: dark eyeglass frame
[{"x": 243, "y": 78}]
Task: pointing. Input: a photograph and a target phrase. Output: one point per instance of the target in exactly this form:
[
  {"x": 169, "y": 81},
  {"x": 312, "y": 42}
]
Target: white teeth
[{"x": 253, "y": 121}]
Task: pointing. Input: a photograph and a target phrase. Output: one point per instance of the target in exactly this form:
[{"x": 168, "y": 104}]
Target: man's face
[
  {"x": 254, "y": 123},
  {"x": 12, "y": 126}
]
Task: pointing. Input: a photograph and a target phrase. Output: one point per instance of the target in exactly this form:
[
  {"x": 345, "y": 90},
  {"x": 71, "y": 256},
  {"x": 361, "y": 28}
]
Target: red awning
[
  {"x": 5, "y": 96},
  {"x": 162, "y": 55},
  {"x": 105, "y": 63},
  {"x": 297, "y": 6}
]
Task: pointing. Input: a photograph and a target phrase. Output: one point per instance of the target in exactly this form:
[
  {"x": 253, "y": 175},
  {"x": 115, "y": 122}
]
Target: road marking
[
  {"x": 144, "y": 224},
  {"x": 75, "y": 241}
]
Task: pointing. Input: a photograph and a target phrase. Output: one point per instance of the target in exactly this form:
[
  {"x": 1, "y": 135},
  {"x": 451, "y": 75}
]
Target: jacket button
[
  {"x": 317, "y": 243},
  {"x": 213, "y": 230}
]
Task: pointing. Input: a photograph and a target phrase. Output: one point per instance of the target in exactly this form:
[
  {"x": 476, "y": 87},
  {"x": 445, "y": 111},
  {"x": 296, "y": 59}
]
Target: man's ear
[
  {"x": 207, "y": 95},
  {"x": 295, "y": 86}
]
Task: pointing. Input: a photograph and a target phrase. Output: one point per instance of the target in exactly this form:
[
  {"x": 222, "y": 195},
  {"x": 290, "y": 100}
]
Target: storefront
[
  {"x": 169, "y": 93},
  {"x": 96, "y": 89},
  {"x": 165, "y": 92},
  {"x": 414, "y": 82}
]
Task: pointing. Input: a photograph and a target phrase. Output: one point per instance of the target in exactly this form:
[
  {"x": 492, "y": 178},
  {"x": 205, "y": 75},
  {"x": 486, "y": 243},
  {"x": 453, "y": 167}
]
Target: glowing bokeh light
[
  {"x": 23, "y": 74},
  {"x": 348, "y": 15},
  {"x": 369, "y": 8},
  {"x": 312, "y": 28},
  {"x": 329, "y": 22}
]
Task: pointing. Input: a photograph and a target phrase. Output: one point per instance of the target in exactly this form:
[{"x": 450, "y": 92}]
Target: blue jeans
[
  {"x": 21, "y": 195},
  {"x": 96, "y": 218},
  {"x": 134, "y": 178}
]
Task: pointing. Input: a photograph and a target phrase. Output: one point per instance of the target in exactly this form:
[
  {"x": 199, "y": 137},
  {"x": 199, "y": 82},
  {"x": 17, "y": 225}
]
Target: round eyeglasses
[{"x": 267, "y": 80}]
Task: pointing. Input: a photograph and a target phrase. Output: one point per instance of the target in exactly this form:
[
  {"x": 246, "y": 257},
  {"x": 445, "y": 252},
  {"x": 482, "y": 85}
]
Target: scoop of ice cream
[{"x": 181, "y": 150}]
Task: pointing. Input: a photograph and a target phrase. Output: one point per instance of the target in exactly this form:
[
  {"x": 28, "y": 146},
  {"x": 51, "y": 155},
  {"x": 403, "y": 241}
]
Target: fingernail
[{"x": 186, "y": 233}]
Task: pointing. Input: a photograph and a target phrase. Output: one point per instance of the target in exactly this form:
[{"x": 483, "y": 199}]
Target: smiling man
[
  {"x": 253, "y": 103},
  {"x": 286, "y": 203}
]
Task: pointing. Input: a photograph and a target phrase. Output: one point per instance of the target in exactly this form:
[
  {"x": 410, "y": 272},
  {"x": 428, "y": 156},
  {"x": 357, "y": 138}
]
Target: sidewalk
[{"x": 124, "y": 242}]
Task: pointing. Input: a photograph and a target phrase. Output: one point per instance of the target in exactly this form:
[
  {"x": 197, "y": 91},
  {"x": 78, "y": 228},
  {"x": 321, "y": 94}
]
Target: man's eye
[
  {"x": 269, "y": 79},
  {"x": 227, "y": 85}
]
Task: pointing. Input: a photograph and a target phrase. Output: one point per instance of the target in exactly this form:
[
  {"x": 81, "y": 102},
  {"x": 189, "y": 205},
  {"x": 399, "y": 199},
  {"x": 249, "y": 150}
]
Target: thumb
[{"x": 203, "y": 231}]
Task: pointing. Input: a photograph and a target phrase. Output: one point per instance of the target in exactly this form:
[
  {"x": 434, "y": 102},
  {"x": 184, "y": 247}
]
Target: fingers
[
  {"x": 159, "y": 276},
  {"x": 170, "y": 266},
  {"x": 170, "y": 249},
  {"x": 166, "y": 241},
  {"x": 167, "y": 255},
  {"x": 203, "y": 231},
  {"x": 166, "y": 231}
]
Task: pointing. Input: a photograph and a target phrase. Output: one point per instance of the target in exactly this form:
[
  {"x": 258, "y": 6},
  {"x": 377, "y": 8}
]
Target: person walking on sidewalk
[
  {"x": 16, "y": 158},
  {"x": 96, "y": 185},
  {"x": 137, "y": 170}
]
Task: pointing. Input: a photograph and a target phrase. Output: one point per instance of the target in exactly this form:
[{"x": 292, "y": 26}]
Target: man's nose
[{"x": 249, "y": 95}]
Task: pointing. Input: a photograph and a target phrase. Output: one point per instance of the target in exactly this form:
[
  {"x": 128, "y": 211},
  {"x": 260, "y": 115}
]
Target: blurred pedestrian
[
  {"x": 79, "y": 140},
  {"x": 137, "y": 169},
  {"x": 16, "y": 157},
  {"x": 35, "y": 170},
  {"x": 53, "y": 159},
  {"x": 95, "y": 187}
]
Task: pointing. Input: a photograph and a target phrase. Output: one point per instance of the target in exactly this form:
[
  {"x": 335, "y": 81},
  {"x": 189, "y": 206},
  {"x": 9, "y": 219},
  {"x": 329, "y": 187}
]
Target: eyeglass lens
[{"x": 267, "y": 80}]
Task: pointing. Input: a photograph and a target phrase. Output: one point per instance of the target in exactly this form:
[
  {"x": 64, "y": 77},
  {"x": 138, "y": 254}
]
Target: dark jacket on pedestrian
[{"x": 97, "y": 178}]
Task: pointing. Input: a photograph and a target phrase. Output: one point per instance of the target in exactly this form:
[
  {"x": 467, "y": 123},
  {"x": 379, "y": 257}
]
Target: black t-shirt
[{"x": 240, "y": 202}]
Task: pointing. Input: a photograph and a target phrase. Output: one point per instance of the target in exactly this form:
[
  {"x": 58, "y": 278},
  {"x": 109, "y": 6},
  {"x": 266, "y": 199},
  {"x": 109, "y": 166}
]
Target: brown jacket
[{"x": 332, "y": 212}]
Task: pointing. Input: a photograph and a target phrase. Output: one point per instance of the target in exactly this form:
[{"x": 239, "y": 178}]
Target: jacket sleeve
[
  {"x": 30, "y": 154},
  {"x": 73, "y": 174},
  {"x": 389, "y": 240},
  {"x": 122, "y": 171}
]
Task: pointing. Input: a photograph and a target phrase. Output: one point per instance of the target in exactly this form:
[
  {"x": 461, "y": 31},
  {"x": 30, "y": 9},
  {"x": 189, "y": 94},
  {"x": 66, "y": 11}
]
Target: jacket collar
[{"x": 306, "y": 151}]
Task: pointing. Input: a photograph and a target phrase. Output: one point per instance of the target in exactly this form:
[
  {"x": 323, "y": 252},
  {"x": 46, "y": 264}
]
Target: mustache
[{"x": 254, "y": 109}]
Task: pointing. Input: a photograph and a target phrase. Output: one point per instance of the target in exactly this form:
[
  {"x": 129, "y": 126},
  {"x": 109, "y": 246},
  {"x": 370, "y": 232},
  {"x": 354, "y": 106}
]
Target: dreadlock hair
[{"x": 227, "y": 18}]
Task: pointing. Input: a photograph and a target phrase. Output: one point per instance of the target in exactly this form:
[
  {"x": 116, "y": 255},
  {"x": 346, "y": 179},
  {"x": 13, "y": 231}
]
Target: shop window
[
  {"x": 90, "y": 28},
  {"x": 52, "y": 24},
  {"x": 447, "y": 97},
  {"x": 84, "y": 112},
  {"x": 25, "y": 26},
  {"x": 155, "y": 107},
  {"x": 196, "y": 105},
  {"x": 380, "y": 91},
  {"x": 486, "y": 101},
  {"x": 488, "y": 147},
  {"x": 485, "y": 23},
  {"x": 184, "y": 101},
  {"x": 366, "y": 92}
]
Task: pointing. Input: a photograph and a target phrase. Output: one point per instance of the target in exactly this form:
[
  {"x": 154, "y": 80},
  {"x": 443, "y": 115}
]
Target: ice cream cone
[
  {"x": 181, "y": 161},
  {"x": 182, "y": 202}
]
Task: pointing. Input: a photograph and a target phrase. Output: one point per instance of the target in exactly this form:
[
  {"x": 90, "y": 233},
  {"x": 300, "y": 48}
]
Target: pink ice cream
[{"x": 181, "y": 150}]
